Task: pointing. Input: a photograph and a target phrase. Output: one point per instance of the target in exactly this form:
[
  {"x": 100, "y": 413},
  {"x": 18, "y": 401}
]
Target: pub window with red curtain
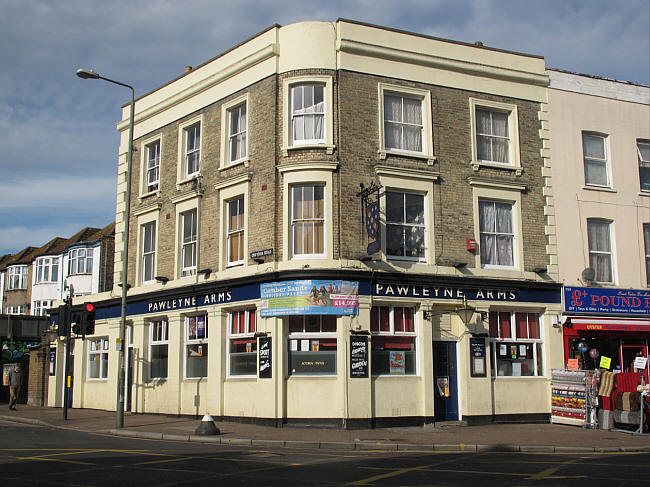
[
  {"x": 242, "y": 348},
  {"x": 393, "y": 340},
  {"x": 516, "y": 344}
]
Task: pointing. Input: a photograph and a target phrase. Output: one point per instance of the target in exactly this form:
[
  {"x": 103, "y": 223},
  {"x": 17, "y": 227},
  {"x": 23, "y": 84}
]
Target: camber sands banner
[{"x": 310, "y": 297}]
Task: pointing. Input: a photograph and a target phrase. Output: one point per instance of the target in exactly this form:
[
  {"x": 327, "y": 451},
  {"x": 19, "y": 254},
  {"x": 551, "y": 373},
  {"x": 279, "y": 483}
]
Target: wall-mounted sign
[
  {"x": 265, "y": 361},
  {"x": 477, "y": 357},
  {"x": 261, "y": 253},
  {"x": 358, "y": 356},
  {"x": 52, "y": 361},
  {"x": 607, "y": 301},
  {"x": 310, "y": 297}
]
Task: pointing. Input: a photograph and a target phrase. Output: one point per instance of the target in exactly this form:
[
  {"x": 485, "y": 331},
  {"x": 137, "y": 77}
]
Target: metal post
[{"x": 66, "y": 373}]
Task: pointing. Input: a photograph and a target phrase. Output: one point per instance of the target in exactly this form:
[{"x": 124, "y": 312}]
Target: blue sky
[{"x": 58, "y": 141}]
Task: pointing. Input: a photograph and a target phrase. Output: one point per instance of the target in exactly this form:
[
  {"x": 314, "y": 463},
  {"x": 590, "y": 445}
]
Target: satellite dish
[{"x": 588, "y": 274}]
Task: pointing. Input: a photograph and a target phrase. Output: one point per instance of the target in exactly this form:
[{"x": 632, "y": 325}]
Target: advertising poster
[
  {"x": 265, "y": 358},
  {"x": 358, "y": 357},
  {"x": 397, "y": 360},
  {"x": 310, "y": 297},
  {"x": 477, "y": 357}
]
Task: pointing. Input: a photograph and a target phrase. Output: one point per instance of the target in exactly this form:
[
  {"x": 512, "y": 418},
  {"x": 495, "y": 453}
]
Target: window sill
[
  {"x": 527, "y": 377},
  {"x": 329, "y": 148},
  {"x": 604, "y": 189},
  {"x": 194, "y": 379},
  {"x": 89, "y": 379},
  {"x": 430, "y": 158},
  {"x": 312, "y": 377},
  {"x": 477, "y": 165},
  {"x": 245, "y": 161},
  {"x": 189, "y": 179},
  {"x": 150, "y": 194},
  {"x": 394, "y": 376},
  {"x": 241, "y": 378},
  {"x": 644, "y": 193}
]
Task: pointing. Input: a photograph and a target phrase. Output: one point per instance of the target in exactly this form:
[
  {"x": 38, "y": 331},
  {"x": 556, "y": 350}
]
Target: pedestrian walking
[{"x": 15, "y": 386}]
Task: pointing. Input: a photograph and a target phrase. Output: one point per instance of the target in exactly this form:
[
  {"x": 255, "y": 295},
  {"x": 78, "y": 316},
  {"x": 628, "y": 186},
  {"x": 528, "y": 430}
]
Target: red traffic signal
[
  {"x": 90, "y": 307},
  {"x": 88, "y": 319}
]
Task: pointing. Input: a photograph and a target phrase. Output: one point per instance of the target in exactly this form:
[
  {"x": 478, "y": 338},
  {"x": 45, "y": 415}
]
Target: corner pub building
[{"x": 335, "y": 222}]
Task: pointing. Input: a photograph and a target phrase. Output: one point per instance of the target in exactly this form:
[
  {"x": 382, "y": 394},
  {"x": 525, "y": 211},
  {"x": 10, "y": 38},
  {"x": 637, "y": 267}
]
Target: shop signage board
[
  {"x": 358, "y": 357},
  {"x": 310, "y": 297},
  {"x": 606, "y": 301},
  {"x": 477, "y": 357},
  {"x": 265, "y": 362}
]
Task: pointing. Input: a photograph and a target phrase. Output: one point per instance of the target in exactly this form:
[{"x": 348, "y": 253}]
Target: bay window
[
  {"x": 17, "y": 277},
  {"x": 158, "y": 349},
  {"x": 393, "y": 340},
  {"x": 196, "y": 346},
  {"x": 242, "y": 344},
  {"x": 312, "y": 345},
  {"x": 80, "y": 261},
  {"x": 47, "y": 269},
  {"x": 516, "y": 344}
]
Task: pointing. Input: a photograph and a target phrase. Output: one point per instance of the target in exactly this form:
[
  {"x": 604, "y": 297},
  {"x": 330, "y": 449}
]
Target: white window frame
[
  {"x": 75, "y": 258},
  {"x": 313, "y": 220},
  {"x": 496, "y": 341},
  {"x": 396, "y": 333},
  {"x": 605, "y": 161},
  {"x": 427, "y": 131},
  {"x": 230, "y": 190},
  {"x": 183, "y": 130},
  {"x": 145, "y": 150},
  {"x": 227, "y": 110},
  {"x": 328, "y": 126},
  {"x": 188, "y": 243},
  {"x": 247, "y": 334},
  {"x": 495, "y": 233},
  {"x": 185, "y": 203},
  {"x": 146, "y": 215},
  {"x": 305, "y": 335},
  {"x": 16, "y": 310},
  {"x": 405, "y": 225},
  {"x": 610, "y": 254},
  {"x": 500, "y": 192},
  {"x": 147, "y": 254},
  {"x": 313, "y": 173},
  {"x": 43, "y": 270},
  {"x": 644, "y": 163},
  {"x": 239, "y": 232},
  {"x": 646, "y": 246},
  {"x": 514, "y": 158},
  {"x": 39, "y": 308},
  {"x": 17, "y": 277},
  {"x": 98, "y": 347},
  {"x": 191, "y": 342},
  {"x": 158, "y": 341}
]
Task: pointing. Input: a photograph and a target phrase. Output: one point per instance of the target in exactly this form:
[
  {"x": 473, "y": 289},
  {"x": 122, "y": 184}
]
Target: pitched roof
[{"x": 25, "y": 256}]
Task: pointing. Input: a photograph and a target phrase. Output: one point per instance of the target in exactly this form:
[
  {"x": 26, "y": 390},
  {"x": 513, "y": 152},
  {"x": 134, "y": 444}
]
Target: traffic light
[
  {"x": 87, "y": 321},
  {"x": 63, "y": 326}
]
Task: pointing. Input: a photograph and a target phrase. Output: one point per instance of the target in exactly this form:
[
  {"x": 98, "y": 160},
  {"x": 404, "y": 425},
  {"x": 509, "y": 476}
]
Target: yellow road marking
[
  {"x": 550, "y": 471},
  {"x": 395, "y": 473},
  {"x": 60, "y": 460}
]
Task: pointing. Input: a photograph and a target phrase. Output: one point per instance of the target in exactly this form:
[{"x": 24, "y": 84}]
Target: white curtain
[
  {"x": 308, "y": 111},
  {"x": 492, "y": 139},
  {"x": 600, "y": 257},
  {"x": 496, "y": 233},
  {"x": 402, "y": 123}
]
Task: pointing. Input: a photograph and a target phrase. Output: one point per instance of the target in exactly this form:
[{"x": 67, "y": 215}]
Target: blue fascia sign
[{"x": 634, "y": 302}]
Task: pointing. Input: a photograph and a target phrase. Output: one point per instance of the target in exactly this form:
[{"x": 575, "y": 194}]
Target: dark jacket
[{"x": 16, "y": 378}]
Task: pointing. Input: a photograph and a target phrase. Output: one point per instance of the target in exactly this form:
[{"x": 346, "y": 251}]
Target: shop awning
[{"x": 638, "y": 325}]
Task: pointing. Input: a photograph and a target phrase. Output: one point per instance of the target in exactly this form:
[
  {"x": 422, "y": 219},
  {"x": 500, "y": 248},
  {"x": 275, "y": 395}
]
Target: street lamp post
[{"x": 89, "y": 74}]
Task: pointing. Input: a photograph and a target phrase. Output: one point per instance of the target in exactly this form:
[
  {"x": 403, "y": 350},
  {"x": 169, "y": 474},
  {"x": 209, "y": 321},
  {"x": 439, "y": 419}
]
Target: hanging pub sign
[
  {"x": 310, "y": 297},
  {"x": 265, "y": 358},
  {"x": 358, "y": 357},
  {"x": 477, "y": 357}
]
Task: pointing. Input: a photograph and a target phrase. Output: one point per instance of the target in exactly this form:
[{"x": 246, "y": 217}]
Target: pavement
[{"x": 546, "y": 438}]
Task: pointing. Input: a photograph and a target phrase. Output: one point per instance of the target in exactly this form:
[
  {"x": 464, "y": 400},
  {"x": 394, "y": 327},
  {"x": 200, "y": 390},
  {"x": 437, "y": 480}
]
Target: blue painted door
[{"x": 445, "y": 381}]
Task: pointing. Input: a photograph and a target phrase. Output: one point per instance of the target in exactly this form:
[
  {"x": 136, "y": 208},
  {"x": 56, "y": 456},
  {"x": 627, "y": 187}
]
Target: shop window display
[
  {"x": 312, "y": 345},
  {"x": 196, "y": 346},
  {"x": 516, "y": 344},
  {"x": 393, "y": 340}
]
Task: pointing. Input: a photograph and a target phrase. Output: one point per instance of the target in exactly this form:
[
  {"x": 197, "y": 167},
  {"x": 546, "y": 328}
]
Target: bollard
[{"x": 207, "y": 427}]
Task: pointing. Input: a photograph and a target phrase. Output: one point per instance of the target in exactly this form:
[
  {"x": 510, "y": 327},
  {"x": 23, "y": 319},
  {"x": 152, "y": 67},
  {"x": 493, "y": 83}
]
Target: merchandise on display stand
[{"x": 574, "y": 397}]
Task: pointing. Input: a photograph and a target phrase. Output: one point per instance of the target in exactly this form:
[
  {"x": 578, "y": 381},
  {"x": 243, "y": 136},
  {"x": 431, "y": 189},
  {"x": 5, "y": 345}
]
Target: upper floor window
[
  {"x": 495, "y": 134},
  {"x": 403, "y": 122},
  {"x": 516, "y": 344},
  {"x": 235, "y": 231},
  {"x": 594, "y": 149},
  {"x": 405, "y": 225},
  {"x": 189, "y": 243},
  {"x": 39, "y": 308},
  {"x": 237, "y": 129},
  {"x": 47, "y": 269},
  {"x": 192, "y": 152},
  {"x": 242, "y": 349},
  {"x": 497, "y": 233},
  {"x": 152, "y": 155},
  {"x": 600, "y": 249},
  {"x": 17, "y": 277},
  {"x": 643, "y": 150},
  {"x": 307, "y": 114},
  {"x": 308, "y": 219},
  {"x": 16, "y": 310},
  {"x": 148, "y": 239},
  {"x": 80, "y": 261}
]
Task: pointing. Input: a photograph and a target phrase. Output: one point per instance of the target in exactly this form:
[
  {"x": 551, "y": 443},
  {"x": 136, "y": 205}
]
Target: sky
[{"x": 58, "y": 136}]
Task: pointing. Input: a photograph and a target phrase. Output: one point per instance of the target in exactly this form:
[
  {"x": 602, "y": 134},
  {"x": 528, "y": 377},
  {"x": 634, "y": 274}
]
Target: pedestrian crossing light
[{"x": 87, "y": 322}]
